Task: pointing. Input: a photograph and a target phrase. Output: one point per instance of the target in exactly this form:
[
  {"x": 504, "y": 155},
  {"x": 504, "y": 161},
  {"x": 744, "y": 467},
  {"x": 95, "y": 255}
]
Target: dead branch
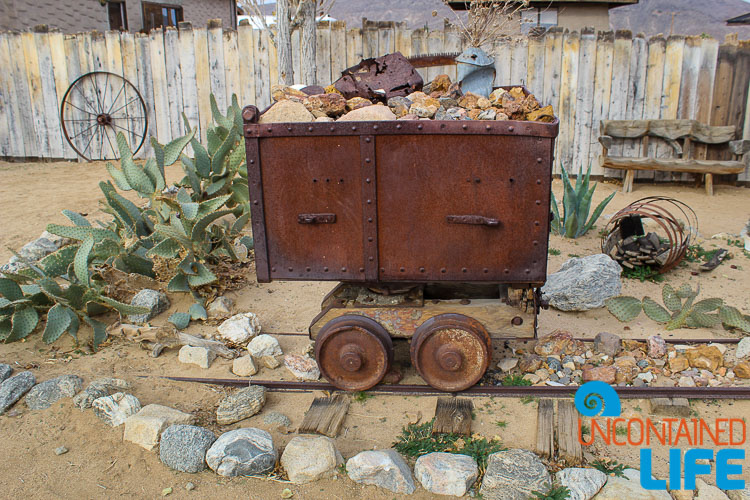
[{"x": 489, "y": 20}]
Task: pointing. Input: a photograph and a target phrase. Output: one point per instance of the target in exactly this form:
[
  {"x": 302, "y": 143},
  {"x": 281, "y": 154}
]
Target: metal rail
[{"x": 487, "y": 390}]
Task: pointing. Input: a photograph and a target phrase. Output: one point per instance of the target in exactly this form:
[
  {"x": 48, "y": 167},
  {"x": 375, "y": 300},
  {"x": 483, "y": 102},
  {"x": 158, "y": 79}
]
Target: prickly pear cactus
[
  {"x": 704, "y": 319},
  {"x": 655, "y": 311},
  {"x": 671, "y": 300},
  {"x": 624, "y": 308}
]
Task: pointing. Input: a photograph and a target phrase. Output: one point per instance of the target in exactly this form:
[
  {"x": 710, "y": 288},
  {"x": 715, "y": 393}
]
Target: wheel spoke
[
  {"x": 88, "y": 144},
  {"x": 116, "y": 98},
  {"x": 124, "y": 105},
  {"x": 126, "y": 130},
  {"x": 96, "y": 91},
  {"x": 85, "y": 100},
  {"x": 83, "y": 131},
  {"x": 104, "y": 97},
  {"x": 110, "y": 143},
  {"x": 79, "y": 109}
]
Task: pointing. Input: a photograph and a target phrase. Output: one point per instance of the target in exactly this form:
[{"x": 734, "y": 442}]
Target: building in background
[
  {"x": 72, "y": 16},
  {"x": 570, "y": 14},
  {"x": 743, "y": 20}
]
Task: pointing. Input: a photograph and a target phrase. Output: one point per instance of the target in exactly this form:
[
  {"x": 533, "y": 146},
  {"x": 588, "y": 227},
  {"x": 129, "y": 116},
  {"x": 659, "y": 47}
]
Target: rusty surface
[
  {"x": 677, "y": 221},
  {"x": 353, "y": 352},
  {"x": 392, "y": 187},
  {"x": 451, "y": 351},
  {"x": 381, "y": 78},
  {"x": 431, "y": 60}
]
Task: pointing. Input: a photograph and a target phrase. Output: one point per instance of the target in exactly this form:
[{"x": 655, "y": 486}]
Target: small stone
[
  {"x": 643, "y": 363},
  {"x": 246, "y": 451},
  {"x": 265, "y": 345},
  {"x": 98, "y": 389},
  {"x": 325, "y": 105},
  {"x": 220, "y": 308},
  {"x": 629, "y": 487},
  {"x": 166, "y": 491},
  {"x": 721, "y": 347},
  {"x": 156, "y": 301},
  {"x": 382, "y": 468},
  {"x": 270, "y": 362},
  {"x": 496, "y": 96},
  {"x": 514, "y": 474},
  {"x": 500, "y": 117},
  {"x": 240, "y": 328},
  {"x": 399, "y": 105},
  {"x": 530, "y": 363},
  {"x": 44, "y": 394},
  {"x": 625, "y": 370},
  {"x": 532, "y": 377},
  {"x": 678, "y": 364},
  {"x": 5, "y": 371},
  {"x": 13, "y": 388},
  {"x": 545, "y": 114},
  {"x": 324, "y": 119},
  {"x": 441, "y": 83},
  {"x": 282, "y": 92},
  {"x": 583, "y": 283},
  {"x": 286, "y": 493},
  {"x": 608, "y": 343},
  {"x": 646, "y": 377},
  {"x": 115, "y": 409},
  {"x": 473, "y": 114},
  {"x": 424, "y": 110},
  {"x": 277, "y": 420},
  {"x": 447, "y": 102},
  {"x": 145, "y": 427},
  {"x": 302, "y": 367},
  {"x": 686, "y": 382},
  {"x": 554, "y": 364},
  {"x": 357, "y": 103},
  {"x": 244, "y": 366},
  {"x": 469, "y": 101},
  {"x": 743, "y": 349},
  {"x": 455, "y": 113},
  {"x": 705, "y": 491},
  {"x": 742, "y": 369},
  {"x": 605, "y": 374},
  {"x": 555, "y": 343},
  {"x": 409, "y": 117},
  {"x": 241, "y": 404},
  {"x": 369, "y": 113},
  {"x": 708, "y": 357},
  {"x": 307, "y": 458},
  {"x": 190, "y": 486},
  {"x": 657, "y": 346},
  {"x": 542, "y": 373},
  {"x": 739, "y": 494},
  {"x": 507, "y": 364},
  {"x": 582, "y": 483},
  {"x": 488, "y": 114},
  {"x": 62, "y": 450},
  {"x": 184, "y": 447},
  {"x": 286, "y": 111},
  {"x": 200, "y": 356}
]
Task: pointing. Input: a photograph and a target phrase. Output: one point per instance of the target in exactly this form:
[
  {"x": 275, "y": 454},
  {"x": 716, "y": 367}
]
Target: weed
[
  {"x": 362, "y": 396},
  {"x": 515, "y": 379},
  {"x": 643, "y": 273},
  {"x": 502, "y": 424},
  {"x": 529, "y": 399},
  {"x": 556, "y": 492},
  {"x": 696, "y": 253},
  {"x": 610, "y": 467},
  {"x": 573, "y": 255},
  {"x": 553, "y": 251},
  {"x": 638, "y": 409},
  {"x": 585, "y": 429}
]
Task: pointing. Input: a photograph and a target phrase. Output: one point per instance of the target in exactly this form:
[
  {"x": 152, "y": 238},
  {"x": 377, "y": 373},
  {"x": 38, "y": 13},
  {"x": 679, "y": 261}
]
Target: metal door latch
[
  {"x": 478, "y": 220},
  {"x": 316, "y": 218}
]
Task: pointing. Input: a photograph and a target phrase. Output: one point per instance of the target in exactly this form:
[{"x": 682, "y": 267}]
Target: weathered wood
[
  {"x": 247, "y": 64},
  {"x": 568, "y": 446},
  {"x": 354, "y": 46},
  {"x": 284, "y": 41},
  {"x": 232, "y": 67},
  {"x": 453, "y": 415},
  {"x": 545, "y": 428},
  {"x": 60, "y": 71},
  {"x": 158, "y": 70},
  {"x": 689, "y": 165},
  {"x": 128, "y": 98},
  {"x": 602, "y": 89},
  {"x": 216, "y": 62},
  {"x": 566, "y": 108},
  {"x": 652, "y": 100},
  {"x": 323, "y": 53},
  {"x": 452, "y": 44},
  {"x": 338, "y": 49},
  {"x": 146, "y": 88},
  {"x": 709, "y": 52},
  {"x": 636, "y": 90},
  {"x": 668, "y": 129},
  {"x": 262, "y": 74},
  {"x": 503, "y": 61},
  {"x": 202, "y": 77},
  {"x": 307, "y": 43},
  {"x": 519, "y": 60},
  {"x": 212, "y": 345},
  {"x": 435, "y": 44},
  {"x": 174, "y": 81},
  {"x": 620, "y": 80},
  {"x": 418, "y": 47},
  {"x": 584, "y": 104},
  {"x": 739, "y": 147},
  {"x": 326, "y": 415},
  {"x": 552, "y": 65},
  {"x": 535, "y": 68}
]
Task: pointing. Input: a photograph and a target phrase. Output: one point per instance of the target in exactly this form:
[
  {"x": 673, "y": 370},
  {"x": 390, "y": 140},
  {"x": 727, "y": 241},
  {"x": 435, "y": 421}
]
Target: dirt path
[{"x": 100, "y": 465}]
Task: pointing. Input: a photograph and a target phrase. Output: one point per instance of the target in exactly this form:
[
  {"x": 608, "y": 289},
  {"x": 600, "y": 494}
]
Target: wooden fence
[{"x": 586, "y": 77}]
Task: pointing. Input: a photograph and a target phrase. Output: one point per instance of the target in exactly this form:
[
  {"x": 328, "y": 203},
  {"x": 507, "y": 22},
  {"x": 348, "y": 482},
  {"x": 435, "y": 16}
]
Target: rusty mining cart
[{"x": 437, "y": 230}]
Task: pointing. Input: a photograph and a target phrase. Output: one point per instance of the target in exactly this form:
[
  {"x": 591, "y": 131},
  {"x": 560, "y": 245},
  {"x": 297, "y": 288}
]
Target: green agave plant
[{"x": 576, "y": 206}]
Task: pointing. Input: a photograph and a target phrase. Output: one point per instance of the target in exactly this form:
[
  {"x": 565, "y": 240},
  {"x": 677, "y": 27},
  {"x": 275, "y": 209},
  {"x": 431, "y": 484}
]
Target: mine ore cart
[{"x": 437, "y": 231}]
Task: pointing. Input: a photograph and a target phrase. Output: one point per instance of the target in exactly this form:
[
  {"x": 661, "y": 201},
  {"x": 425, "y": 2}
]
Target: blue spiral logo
[{"x": 594, "y": 399}]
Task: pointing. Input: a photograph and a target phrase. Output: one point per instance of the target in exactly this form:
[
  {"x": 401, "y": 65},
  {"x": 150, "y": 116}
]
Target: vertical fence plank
[
  {"x": 369, "y": 39},
  {"x": 519, "y": 60},
  {"x": 354, "y": 48},
  {"x": 452, "y": 45},
  {"x": 568, "y": 97},
  {"x": 8, "y": 134},
  {"x": 501, "y": 51},
  {"x": 552, "y": 62},
  {"x": 323, "y": 53},
  {"x": 707, "y": 71},
  {"x": 602, "y": 92},
  {"x": 260, "y": 54},
  {"x": 636, "y": 91},
  {"x": 435, "y": 45},
  {"x": 73, "y": 67},
  {"x": 203, "y": 78},
  {"x": 130, "y": 102},
  {"x": 60, "y": 71},
  {"x": 216, "y": 62},
  {"x": 403, "y": 39},
  {"x": 273, "y": 60},
  {"x": 418, "y": 47},
  {"x": 247, "y": 65},
  {"x": 146, "y": 88},
  {"x": 535, "y": 69},
  {"x": 23, "y": 95},
  {"x": 688, "y": 101},
  {"x": 232, "y": 67},
  {"x": 584, "y": 104},
  {"x": 620, "y": 79},
  {"x": 158, "y": 73},
  {"x": 52, "y": 126},
  {"x": 386, "y": 38},
  {"x": 189, "y": 77},
  {"x": 32, "y": 76},
  {"x": 338, "y": 49},
  {"x": 112, "y": 94},
  {"x": 670, "y": 92},
  {"x": 652, "y": 98}
]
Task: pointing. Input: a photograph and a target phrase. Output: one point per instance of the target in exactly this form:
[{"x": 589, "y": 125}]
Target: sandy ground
[{"x": 100, "y": 465}]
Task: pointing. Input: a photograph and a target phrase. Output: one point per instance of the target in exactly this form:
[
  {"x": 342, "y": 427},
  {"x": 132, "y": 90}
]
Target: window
[
  {"x": 538, "y": 17},
  {"x": 118, "y": 17},
  {"x": 156, "y": 15}
]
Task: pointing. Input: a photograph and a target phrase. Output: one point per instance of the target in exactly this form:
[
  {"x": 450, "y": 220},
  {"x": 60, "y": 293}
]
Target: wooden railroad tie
[
  {"x": 453, "y": 415},
  {"x": 564, "y": 443},
  {"x": 326, "y": 415}
]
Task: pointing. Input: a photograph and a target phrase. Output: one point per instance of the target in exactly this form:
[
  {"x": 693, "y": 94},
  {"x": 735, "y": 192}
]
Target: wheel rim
[
  {"x": 353, "y": 352},
  {"x": 95, "y": 108},
  {"x": 451, "y": 351}
]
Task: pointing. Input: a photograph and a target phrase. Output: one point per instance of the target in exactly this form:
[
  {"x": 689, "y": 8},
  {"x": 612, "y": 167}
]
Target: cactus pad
[
  {"x": 685, "y": 291},
  {"x": 655, "y": 311},
  {"x": 708, "y": 305},
  {"x": 180, "y": 320},
  {"x": 671, "y": 299},
  {"x": 624, "y": 308},
  {"x": 58, "y": 320},
  {"x": 705, "y": 320}
]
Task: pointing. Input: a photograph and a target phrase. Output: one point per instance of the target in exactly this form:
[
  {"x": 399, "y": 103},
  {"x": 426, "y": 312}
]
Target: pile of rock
[
  {"x": 440, "y": 99},
  {"x": 558, "y": 359}
]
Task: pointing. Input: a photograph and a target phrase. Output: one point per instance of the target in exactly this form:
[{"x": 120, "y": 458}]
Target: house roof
[
  {"x": 464, "y": 4},
  {"x": 743, "y": 19}
]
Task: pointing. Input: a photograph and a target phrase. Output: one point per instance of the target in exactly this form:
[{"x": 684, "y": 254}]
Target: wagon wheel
[
  {"x": 354, "y": 352},
  {"x": 451, "y": 351},
  {"x": 95, "y": 108}
]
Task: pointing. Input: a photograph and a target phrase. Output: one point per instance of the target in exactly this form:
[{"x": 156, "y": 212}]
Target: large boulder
[
  {"x": 582, "y": 483},
  {"x": 13, "y": 389},
  {"x": 241, "y": 327},
  {"x": 241, "y": 404},
  {"x": 583, "y": 283},
  {"x": 514, "y": 475},
  {"x": 446, "y": 473},
  {"x": 286, "y": 111},
  {"x": 5, "y": 371},
  {"x": 242, "y": 452},
  {"x": 145, "y": 427},
  {"x": 309, "y": 458},
  {"x": 383, "y": 468},
  {"x": 629, "y": 486},
  {"x": 43, "y": 395},
  {"x": 743, "y": 348},
  {"x": 369, "y": 113},
  {"x": 184, "y": 447}
]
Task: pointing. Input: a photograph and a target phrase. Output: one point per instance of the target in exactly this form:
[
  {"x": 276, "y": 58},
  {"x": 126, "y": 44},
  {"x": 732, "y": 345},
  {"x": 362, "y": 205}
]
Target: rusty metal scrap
[{"x": 381, "y": 78}]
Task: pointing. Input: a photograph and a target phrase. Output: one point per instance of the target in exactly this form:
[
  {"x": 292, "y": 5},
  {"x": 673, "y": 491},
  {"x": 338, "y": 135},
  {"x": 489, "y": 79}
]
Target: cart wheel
[
  {"x": 95, "y": 108},
  {"x": 451, "y": 351},
  {"x": 354, "y": 352}
]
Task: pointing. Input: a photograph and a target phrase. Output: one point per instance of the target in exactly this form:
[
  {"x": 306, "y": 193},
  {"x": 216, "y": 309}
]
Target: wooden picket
[{"x": 587, "y": 77}]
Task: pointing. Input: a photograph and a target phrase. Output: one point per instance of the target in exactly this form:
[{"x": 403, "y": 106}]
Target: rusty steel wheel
[
  {"x": 451, "y": 351},
  {"x": 354, "y": 352}
]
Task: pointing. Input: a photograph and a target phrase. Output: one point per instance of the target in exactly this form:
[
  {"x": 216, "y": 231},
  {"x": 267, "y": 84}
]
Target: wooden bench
[{"x": 689, "y": 132}]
